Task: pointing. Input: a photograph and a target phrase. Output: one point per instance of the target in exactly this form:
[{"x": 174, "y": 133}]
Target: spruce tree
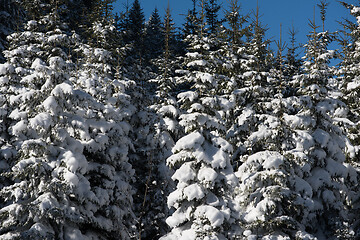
[
  {"x": 236, "y": 21},
  {"x": 201, "y": 158},
  {"x": 292, "y": 62},
  {"x": 154, "y": 36},
  {"x": 317, "y": 82},
  {"x": 11, "y": 17},
  {"x": 191, "y": 21},
  {"x": 212, "y": 9},
  {"x": 258, "y": 48},
  {"x": 136, "y": 29},
  {"x": 348, "y": 75},
  {"x": 65, "y": 151}
]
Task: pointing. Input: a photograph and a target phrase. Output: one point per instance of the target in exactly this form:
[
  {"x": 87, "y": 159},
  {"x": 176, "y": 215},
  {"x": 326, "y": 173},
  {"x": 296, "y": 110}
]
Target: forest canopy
[{"x": 113, "y": 126}]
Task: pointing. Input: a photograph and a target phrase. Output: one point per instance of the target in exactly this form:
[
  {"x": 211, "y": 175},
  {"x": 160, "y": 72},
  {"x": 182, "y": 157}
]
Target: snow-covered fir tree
[
  {"x": 211, "y": 13},
  {"x": 349, "y": 82},
  {"x": 201, "y": 158},
  {"x": 10, "y": 19},
  {"x": 64, "y": 158},
  {"x": 113, "y": 128},
  {"x": 191, "y": 21},
  {"x": 154, "y": 35}
]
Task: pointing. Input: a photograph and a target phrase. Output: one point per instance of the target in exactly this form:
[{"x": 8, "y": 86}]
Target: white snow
[
  {"x": 38, "y": 64},
  {"x": 206, "y": 78},
  {"x": 74, "y": 234},
  {"x": 194, "y": 191},
  {"x": 352, "y": 85},
  {"x": 17, "y": 115},
  {"x": 61, "y": 89},
  {"x": 263, "y": 132},
  {"x": 170, "y": 124},
  {"x": 319, "y": 178},
  {"x": 190, "y": 95},
  {"x": 207, "y": 174},
  {"x": 4, "y": 80},
  {"x": 193, "y": 55},
  {"x": 197, "y": 63},
  {"x": 321, "y": 137},
  {"x": 178, "y": 217},
  {"x": 273, "y": 162},
  {"x": 169, "y": 109},
  {"x": 255, "y": 213},
  {"x": 50, "y": 104},
  {"x": 43, "y": 120},
  {"x": 298, "y": 121},
  {"x": 174, "y": 197},
  {"x": 355, "y": 10},
  {"x": 303, "y": 187},
  {"x": 185, "y": 173},
  {"x": 6, "y": 68},
  {"x": 215, "y": 217},
  {"x": 75, "y": 162},
  {"x": 189, "y": 141},
  {"x": 71, "y": 178},
  {"x": 196, "y": 107},
  {"x": 303, "y": 140}
]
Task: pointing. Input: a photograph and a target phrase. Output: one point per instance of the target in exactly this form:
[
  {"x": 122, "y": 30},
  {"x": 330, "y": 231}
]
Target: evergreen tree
[
  {"x": 191, "y": 21},
  {"x": 348, "y": 75},
  {"x": 154, "y": 36},
  {"x": 10, "y": 20},
  {"x": 65, "y": 170},
  {"x": 201, "y": 158},
  {"x": 317, "y": 55},
  {"x": 136, "y": 29},
  {"x": 166, "y": 63},
  {"x": 236, "y": 22},
  {"x": 122, "y": 20},
  {"x": 258, "y": 47},
  {"x": 292, "y": 62},
  {"x": 316, "y": 84},
  {"x": 212, "y": 9},
  {"x": 278, "y": 67}
]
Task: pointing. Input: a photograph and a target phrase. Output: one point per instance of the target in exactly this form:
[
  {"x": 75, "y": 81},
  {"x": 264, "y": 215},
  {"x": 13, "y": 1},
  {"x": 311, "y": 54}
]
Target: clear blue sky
[{"x": 286, "y": 12}]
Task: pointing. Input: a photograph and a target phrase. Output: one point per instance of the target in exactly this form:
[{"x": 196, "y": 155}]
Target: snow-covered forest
[{"x": 114, "y": 126}]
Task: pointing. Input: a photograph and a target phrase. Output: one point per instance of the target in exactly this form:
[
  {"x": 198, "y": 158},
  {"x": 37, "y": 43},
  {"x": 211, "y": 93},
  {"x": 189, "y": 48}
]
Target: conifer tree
[
  {"x": 258, "y": 47},
  {"x": 10, "y": 20},
  {"x": 136, "y": 28},
  {"x": 348, "y": 75},
  {"x": 323, "y": 108},
  {"x": 347, "y": 71},
  {"x": 212, "y": 9},
  {"x": 292, "y": 61},
  {"x": 154, "y": 36},
  {"x": 122, "y": 22},
  {"x": 66, "y": 172},
  {"x": 277, "y": 137},
  {"x": 236, "y": 21},
  {"x": 277, "y": 71},
  {"x": 191, "y": 21},
  {"x": 201, "y": 158},
  {"x": 317, "y": 55}
]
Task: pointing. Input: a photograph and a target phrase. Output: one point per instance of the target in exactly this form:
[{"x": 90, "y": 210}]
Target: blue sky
[{"x": 286, "y": 12}]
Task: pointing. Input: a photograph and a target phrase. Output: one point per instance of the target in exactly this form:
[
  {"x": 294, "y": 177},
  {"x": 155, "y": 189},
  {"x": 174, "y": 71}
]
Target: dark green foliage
[
  {"x": 292, "y": 62},
  {"x": 136, "y": 28},
  {"x": 191, "y": 25},
  {"x": 236, "y": 22},
  {"x": 288, "y": 120},
  {"x": 212, "y": 11},
  {"x": 11, "y": 16},
  {"x": 154, "y": 36}
]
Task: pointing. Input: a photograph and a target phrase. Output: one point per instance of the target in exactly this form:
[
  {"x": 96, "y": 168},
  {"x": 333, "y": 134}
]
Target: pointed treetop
[{"x": 323, "y": 6}]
